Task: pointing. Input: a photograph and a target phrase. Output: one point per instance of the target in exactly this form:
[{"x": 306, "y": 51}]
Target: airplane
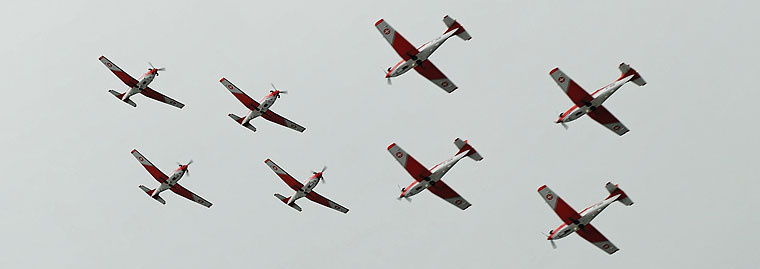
[
  {"x": 592, "y": 104},
  {"x": 256, "y": 109},
  {"x": 141, "y": 86},
  {"x": 580, "y": 223},
  {"x": 418, "y": 58},
  {"x": 431, "y": 179},
  {"x": 168, "y": 183},
  {"x": 303, "y": 190}
]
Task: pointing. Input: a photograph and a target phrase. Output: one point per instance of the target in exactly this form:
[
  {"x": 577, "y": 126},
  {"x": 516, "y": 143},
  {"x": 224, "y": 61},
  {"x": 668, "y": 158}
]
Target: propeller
[
  {"x": 157, "y": 69},
  {"x": 275, "y": 89},
  {"x": 551, "y": 240},
  {"x": 402, "y": 190},
  {"x": 563, "y": 124},
  {"x": 319, "y": 174},
  {"x": 187, "y": 171},
  {"x": 387, "y": 76}
]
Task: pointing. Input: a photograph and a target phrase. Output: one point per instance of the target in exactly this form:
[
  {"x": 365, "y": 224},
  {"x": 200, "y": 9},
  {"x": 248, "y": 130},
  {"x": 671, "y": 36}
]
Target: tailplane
[
  {"x": 463, "y": 146},
  {"x": 120, "y": 96},
  {"x": 615, "y": 190},
  {"x": 285, "y": 200},
  {"x": 453, "y": 24},
  {"x": 150, "y": 193},
  {"x": 628, "y": 71},
  {"x": 240, "y": 121}
]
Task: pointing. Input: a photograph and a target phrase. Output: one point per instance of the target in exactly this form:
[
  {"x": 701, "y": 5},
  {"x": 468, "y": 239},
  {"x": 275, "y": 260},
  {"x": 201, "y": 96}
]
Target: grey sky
[{"x": 70, "y": 196}]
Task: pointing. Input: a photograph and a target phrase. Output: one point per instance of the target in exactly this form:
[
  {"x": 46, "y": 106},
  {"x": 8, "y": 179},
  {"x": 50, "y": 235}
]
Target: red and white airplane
[
  {"x": 141, "y": 86},
  {"x": 592, "y": 104},
  {"x": 431, "y": 179},
  {"x": 418, "y": 58},
  {"x": 256, "y": 109},
  {"x": 580, "y": 223},
  {"x": 303, "y": 190},
  {"x": 168, "y": 183}
]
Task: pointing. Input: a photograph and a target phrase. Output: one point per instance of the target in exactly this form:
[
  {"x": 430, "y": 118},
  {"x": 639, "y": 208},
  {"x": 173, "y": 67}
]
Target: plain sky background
[{"x": 70, "y": 196}]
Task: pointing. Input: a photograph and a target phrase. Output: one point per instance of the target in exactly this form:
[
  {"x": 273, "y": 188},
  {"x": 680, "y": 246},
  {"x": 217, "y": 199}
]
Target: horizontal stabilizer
[
  {"x": 615, "y": 190},
  {"x": 285, "y": 200},
  {"x": 150, "y": 193},
  {"x": 463, "y": 146},
  {"x": 120, "y": 96},
  {"x": 240, "y": 121},
  {"x": 628, "y": 71}
]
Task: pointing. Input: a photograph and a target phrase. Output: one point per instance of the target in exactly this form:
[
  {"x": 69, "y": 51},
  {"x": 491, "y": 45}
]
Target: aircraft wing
[
  {"x": 292, "y": 182},
  {"x": 240, "y": 95},
  {"x": 160, "y": 97},
  {"x": 577, "y": 94},
  {"x": 429, "y": 71},
  {"x": 563, "y": 210},
  {"x": 189, "y": 195},
  {"x": 126, "y": 78},
  {"x": 404, "y": 49},
  {"x": 595, "y": 237},
  {"x": 273, "y": 117},
  {"x": 325, "y": 202},
  {"x": 415, "y": 169},
  {"x": 448, "y": 194},
  {"x": 157, "y": 174},
  {"x": 604, "y": 117}
]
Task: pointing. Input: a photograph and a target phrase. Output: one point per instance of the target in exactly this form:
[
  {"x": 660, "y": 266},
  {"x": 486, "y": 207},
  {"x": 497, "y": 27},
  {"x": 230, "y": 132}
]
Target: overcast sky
[{"x": 70, "y": 198}]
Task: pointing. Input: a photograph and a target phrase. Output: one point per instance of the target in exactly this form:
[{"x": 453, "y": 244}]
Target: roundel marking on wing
[
  {"x": 109, "y": 64},
  {"x": 387, "y": 31},
  {"x": 399, "y": 154},
  {"x": 445, "y": 84},
  {"x": 561, "y": 79},
  {"x": 229, "y": 86},
  {"x": 549, "y": 196},
  {"x": 274, "y": 167},
  {"x": 141, "y": 159},
  {"x": 617, "y": 127},
  {"x": 458, "y": 202},
  {"x": 606, "y": 246}
]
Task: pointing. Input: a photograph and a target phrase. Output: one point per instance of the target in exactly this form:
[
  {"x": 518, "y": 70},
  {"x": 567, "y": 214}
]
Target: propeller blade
[
  {"x": 564, "y": 125},
  {"x": 324, "y": 168},
  {"x": 408, "y": 199},
  {"x": 554, "y": 245},
  {"x": 285, "y": 92},
  {"x": 273, "y": 87},
  {"x": 151, "y": 66},
  {"x": 389, "y": 81}
]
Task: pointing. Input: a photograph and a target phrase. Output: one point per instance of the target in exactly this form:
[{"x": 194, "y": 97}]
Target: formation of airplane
[
  {"x": 591, "y": 104},
  {"x": 431, "y": 179},
  {"x": 580, "y": 223},
  {"x": 417, "y": 58},
  {"x": 140, "y": 86},
  {"x": 168, "y": 182},
  {"x": 259, "y": 109},
  {"x": 302, "y": 190}
]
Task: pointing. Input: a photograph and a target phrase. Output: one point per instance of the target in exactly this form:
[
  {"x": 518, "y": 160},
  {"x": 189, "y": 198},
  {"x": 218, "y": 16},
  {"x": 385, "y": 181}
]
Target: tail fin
[
  {"x": 240, "y": 121},
  {"x": 628, "y": 71},
  {"x": 463, "y": 146},
  {"x": 615, "y": 190},
  {"x": 120, "y": 96},
  {"x": 150, "y": 193},
  {"x": 453, "y": 24},
  {"x": 285, "y": 200}
]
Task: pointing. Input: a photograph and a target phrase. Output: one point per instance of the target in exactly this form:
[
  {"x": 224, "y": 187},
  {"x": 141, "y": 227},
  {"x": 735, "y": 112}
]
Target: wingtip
[
  {"x": 391, "y": 146},
  {"x": 541, "y": 188},
  {"x": 267, "y": 160},
  {"x": 101, "y": 57},
  {"x": 223, "y": 79},
  {"x": 554, "y": 70},
  {"x": 133, "y": 150},
  {"x": 378, "y": 22}
]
